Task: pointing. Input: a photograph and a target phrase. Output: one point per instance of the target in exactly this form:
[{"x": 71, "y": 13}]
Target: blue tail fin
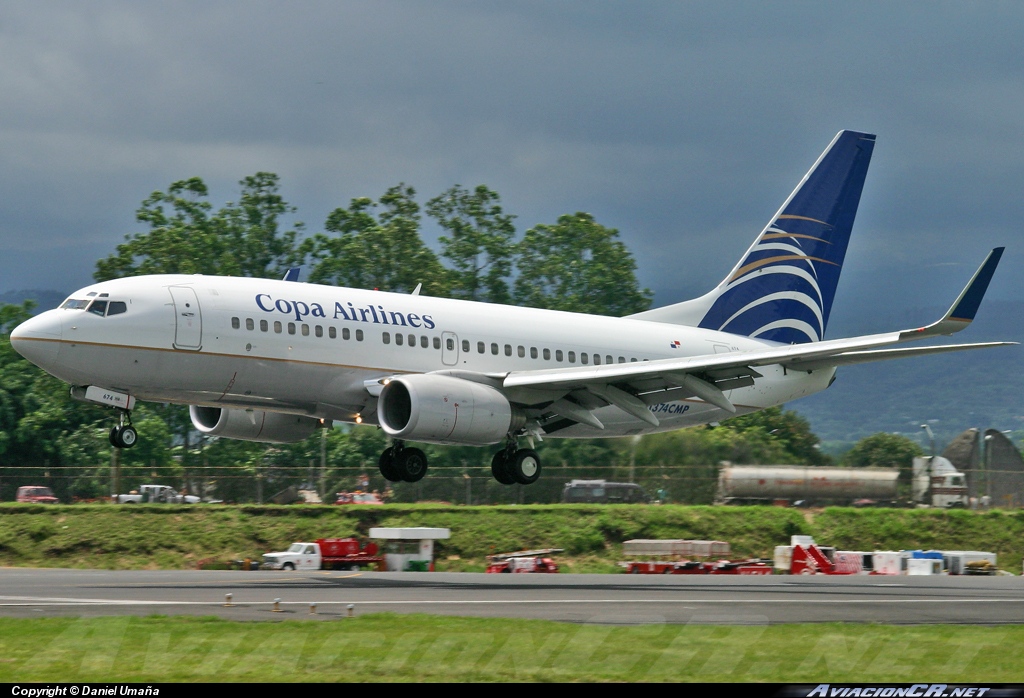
[{"x": 782, "y": 288}]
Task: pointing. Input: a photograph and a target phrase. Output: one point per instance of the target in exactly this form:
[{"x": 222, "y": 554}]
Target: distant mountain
[
  {"x": 45, "y": 300},
  {"x": 951, "y": 393}
]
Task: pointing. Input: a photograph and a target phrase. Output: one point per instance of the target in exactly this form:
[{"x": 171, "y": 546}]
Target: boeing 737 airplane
[{"x": 271, "y": 361}]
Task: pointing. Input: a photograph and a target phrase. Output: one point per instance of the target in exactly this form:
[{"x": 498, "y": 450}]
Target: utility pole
[
  {"x": 115, "y": 468},
  {"x": 323, "y": 465}
]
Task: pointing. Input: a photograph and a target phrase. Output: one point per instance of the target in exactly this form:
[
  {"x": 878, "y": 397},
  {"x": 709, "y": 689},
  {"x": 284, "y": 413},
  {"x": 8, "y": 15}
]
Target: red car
[{"x": 36, "y": 494}]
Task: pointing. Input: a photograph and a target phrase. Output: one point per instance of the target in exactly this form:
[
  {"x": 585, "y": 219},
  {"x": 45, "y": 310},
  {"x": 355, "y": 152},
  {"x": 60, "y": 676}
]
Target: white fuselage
[{"x": 313, "y": 350}]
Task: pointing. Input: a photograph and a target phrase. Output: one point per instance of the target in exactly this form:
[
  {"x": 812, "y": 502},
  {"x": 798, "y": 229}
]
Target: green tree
[
  {"x": 374, "y": 249},
  {"x": 478, "y": 244},
  {"x": 883, "y": 451},
  {"x": 580, "y": 266},
  {"x": 787, "y": 429},
  {"x": 186, "y": 236}
]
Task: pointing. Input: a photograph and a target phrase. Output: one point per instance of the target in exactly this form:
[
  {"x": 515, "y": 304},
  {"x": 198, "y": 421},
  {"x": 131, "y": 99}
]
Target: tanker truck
[{"x": 936, "y": 483}]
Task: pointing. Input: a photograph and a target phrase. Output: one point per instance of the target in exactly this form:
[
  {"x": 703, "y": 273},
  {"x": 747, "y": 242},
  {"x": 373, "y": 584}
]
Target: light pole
[{"x": 928, "y": 431}]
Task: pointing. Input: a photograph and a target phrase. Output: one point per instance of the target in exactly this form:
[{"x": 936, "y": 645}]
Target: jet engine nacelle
[
  {"x": 446, "y": 410},
  {"x": 252, "y": 425}
]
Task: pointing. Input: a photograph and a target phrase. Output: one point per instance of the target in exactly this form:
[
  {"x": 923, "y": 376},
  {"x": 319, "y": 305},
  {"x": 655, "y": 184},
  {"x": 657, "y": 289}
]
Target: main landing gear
[
  {"x": 124, "y": 435},
  {"x": 402, "y": 464},
  {"x": 513, "y": 465}
]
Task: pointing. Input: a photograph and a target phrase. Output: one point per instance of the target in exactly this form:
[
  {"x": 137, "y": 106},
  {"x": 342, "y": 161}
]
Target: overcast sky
[{"x": 684, "y": 125}]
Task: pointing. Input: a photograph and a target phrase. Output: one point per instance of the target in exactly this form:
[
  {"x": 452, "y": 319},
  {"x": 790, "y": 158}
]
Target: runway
[{"x": 577, "y": 598}]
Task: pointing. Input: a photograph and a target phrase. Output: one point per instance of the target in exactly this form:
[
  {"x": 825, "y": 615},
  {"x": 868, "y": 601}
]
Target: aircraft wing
[{"x": 634, "y": 386}]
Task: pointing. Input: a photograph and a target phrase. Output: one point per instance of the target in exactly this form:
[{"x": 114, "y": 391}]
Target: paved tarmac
[{"x": 578, "y": 598}]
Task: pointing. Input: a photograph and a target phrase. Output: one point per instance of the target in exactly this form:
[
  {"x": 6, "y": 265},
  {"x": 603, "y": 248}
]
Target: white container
[
  {"x": 887, "y": 562},
  {"x": 783, "y": 558},
  {"x": 923, "y": 566}
]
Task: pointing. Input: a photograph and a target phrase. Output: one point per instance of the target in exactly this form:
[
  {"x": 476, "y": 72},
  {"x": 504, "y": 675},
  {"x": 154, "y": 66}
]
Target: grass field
[
  {"x": 183, "y": 537},
  {"x": 385, "y": 647}
]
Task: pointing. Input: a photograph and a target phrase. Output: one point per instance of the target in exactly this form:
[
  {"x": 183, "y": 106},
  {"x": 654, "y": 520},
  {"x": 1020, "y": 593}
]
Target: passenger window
[
  {"x": 533, "y": 352},
  {"x": 332, "y": 332},
  {"x": 98, "y": 308},
  {"x": 345, "y": 333},
  {"x": 399, "y": 339},
  {"x": 116, "y": 308},
  {"x": 632, "y": 361},
  {"x": 264, "y": 326},
  {"x": 424, "y": 342},
  {"x": 508, "y": 350},
  {"x": 558, "y": 355},
  {"x": 622, "y": 359},
  {"x": 249, "y": 324},
  {"x": 277, "y": 326},
  {"x": 318, "y": 331},
  {"x": 547, "y": 355},
  {"x": 494, "y": 348},
  {"x": 465, "y": 345},
  {"x": 608, "y": 359},
  {"x": 437, "y": 342},
  {"x": 583, "y": 358},
  {"x": 386, "y": 337},
  {"x": 597, "y": 359},
  {"x": 359, "y": 335},
  {"x": 572, "y": 357},
  {"x": 521, "y": 351},
  {"x": 305, "y": 330},
  {"x": 480, "y": 346},
  {"x": 412, "y": 340},
  {"x": 291, "y": 328},
  {"x": 235, "y": 323}
]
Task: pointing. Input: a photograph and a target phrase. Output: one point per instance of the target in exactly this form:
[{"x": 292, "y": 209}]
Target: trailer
[
  {"x": 524, "y": 562},
  {"x": 936, "y": 483},
  {"x": 764, "y": 484},
  {"x": 673, "y": 556}
]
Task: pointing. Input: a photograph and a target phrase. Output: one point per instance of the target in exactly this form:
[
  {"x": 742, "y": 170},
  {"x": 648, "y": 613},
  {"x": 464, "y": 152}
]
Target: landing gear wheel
[
  {"x": 499, "y": 469},
  {"x": 524, "y": 466},
  {"x": 411, "y": 464},
  {"x": 113, "y": 437},
  {"x": 127, "y": 436},
  {"x": 387, "y": 465}
]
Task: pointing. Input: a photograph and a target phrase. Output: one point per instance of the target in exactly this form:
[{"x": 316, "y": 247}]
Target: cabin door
[{"x": 188, "y": 319}]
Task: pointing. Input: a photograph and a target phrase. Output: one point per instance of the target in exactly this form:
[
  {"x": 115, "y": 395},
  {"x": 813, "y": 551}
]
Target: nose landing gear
[{"x": 124, "y": 435}]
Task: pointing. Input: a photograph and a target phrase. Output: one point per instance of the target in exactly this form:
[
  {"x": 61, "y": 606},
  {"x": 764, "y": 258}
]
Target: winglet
[
  {"x": 292, "y": 274},
  {"x": 963, "y": 310}
]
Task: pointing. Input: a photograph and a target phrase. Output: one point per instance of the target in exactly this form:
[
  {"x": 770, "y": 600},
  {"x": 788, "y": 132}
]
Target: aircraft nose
[{"x": 38, "y": 339}]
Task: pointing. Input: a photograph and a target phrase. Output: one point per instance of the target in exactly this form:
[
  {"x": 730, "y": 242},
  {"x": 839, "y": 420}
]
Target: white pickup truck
[{"x": 163, "y": 494}]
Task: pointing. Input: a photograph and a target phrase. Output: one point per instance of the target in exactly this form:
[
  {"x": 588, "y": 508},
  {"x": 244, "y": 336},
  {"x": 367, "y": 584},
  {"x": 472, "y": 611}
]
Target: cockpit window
[
  {"x": 98, "y": 308},
  {"x": 74, "y": 304},
  {"x": 116, "y": 308}
]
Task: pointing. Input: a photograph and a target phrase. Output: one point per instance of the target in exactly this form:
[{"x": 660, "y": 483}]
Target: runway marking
[{"x": 45, "y": 601}]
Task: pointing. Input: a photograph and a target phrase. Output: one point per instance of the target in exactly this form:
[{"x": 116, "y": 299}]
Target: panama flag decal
[{"x": 675, "y": 344}]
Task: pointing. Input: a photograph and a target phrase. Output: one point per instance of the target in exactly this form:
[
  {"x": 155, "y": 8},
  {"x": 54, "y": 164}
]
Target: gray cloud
[{"x": 683, "y": 125}]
